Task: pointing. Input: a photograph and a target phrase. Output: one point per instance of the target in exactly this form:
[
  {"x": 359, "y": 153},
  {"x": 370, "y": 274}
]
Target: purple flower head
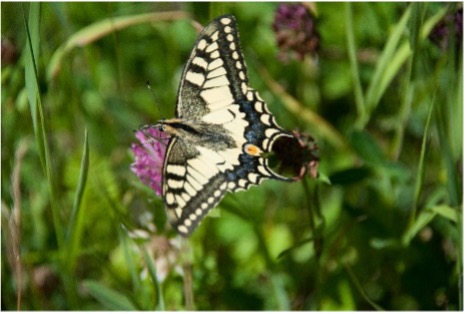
[
  {"x": 297, "y": 155},
  {"x": 10, "y": 53},
  {"x": 295, "y": 31},
  {"x": 149, "y": 157},
  {"x": 448, "y": 29}
]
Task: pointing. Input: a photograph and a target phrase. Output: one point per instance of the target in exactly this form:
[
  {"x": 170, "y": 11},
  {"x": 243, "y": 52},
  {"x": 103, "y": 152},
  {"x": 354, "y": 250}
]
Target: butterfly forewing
[
  {"x": 221, "y": 131},
  {"x": 215, "y": 74}
]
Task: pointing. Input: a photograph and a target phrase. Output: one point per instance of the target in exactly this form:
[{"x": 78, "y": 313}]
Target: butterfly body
[{"x": 221, "y": 131}]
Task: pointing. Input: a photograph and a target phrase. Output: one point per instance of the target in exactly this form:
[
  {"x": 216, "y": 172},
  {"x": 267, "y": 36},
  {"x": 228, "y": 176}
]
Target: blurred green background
[{"x": 381, "y": 228}]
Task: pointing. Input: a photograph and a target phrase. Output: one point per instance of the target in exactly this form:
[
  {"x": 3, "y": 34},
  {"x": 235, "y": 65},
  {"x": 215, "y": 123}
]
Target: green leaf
[
  {"x": 295, "y": 246},
  {"x": 426, "y": 216},
  {"x": 423, "y": 219},
  {"x": 446, "y": 212},
  {"x": 108, "y": 297},
  {"x": 380, "y": 244}
]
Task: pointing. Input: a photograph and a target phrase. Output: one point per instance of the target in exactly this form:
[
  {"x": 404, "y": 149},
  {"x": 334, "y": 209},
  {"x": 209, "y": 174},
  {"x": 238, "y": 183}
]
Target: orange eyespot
[{"x": 252, "y": 150}]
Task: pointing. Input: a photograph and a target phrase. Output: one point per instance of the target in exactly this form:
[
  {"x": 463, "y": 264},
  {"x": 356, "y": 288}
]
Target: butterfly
[{"x": 221, "y": 132}]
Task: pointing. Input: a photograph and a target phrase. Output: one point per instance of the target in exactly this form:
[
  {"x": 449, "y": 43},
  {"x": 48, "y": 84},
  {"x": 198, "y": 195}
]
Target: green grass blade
[
  {"x": 422, "y": 220},
  {"x": 447, "y": 212},
  {"x": 75, "y": 225},
  {"x": 450, "y": 133},
  {"x": 426, "y": 216},
  {"x": 32, "y": 27},
  {"x": 410, "y": 78},
  {"x": 109, "y": 298},
  {"x": 457, "y": 134},
  {"x": 378, "y": 81},
  {"x": 390, "y": 63},
  {"x": 421, "y": 162},
  {"x": 419, "y": 179},
  {"x": 130, "y": 261},
  {"x": 160, "y": 306},
  {"x": 352, "y": 52},
  {"x": 30, "y": 73},
  {"x": 101, "y": 29},
  {"x": 416, "y": 19}
]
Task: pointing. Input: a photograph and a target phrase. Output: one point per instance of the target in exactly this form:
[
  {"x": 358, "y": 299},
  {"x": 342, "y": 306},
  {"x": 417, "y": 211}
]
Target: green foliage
[{"x": 381, "y": 228}]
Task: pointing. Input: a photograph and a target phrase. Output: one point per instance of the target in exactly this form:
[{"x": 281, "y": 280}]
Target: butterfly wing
[
  {"x": 214, "y": 88},
  {"x": 192, "y": 185},
  {"x": 215, "y": 74},
  {"x": 214, "y": 95}
]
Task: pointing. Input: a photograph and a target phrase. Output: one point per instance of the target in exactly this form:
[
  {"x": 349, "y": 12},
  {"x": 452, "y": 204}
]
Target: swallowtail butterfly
[{"x": 221, "y": 131}]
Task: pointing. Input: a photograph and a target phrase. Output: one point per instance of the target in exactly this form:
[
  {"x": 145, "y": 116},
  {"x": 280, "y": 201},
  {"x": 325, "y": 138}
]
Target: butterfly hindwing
[{"x": 192, "y": 185}]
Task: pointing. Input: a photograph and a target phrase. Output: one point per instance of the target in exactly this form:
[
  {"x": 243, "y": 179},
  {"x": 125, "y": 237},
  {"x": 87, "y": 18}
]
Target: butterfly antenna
[{"x": 155, "y": 98}]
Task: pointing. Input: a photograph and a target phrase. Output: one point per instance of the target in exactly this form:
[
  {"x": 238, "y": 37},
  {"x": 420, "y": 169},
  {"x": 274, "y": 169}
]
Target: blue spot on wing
[{"x": 254, "y": 132}]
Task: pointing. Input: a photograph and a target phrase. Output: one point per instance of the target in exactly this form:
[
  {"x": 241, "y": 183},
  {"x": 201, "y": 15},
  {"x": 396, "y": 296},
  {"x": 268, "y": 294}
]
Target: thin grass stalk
[
  {"x": 360, "y": 289},
  {"x": 421, "y": 169},
  {"x": 14, "y": 223},
  {"x": 460, "y": 225},
  {"x": 409, "y": 87},
  {"x": 187, "y": 276}
]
